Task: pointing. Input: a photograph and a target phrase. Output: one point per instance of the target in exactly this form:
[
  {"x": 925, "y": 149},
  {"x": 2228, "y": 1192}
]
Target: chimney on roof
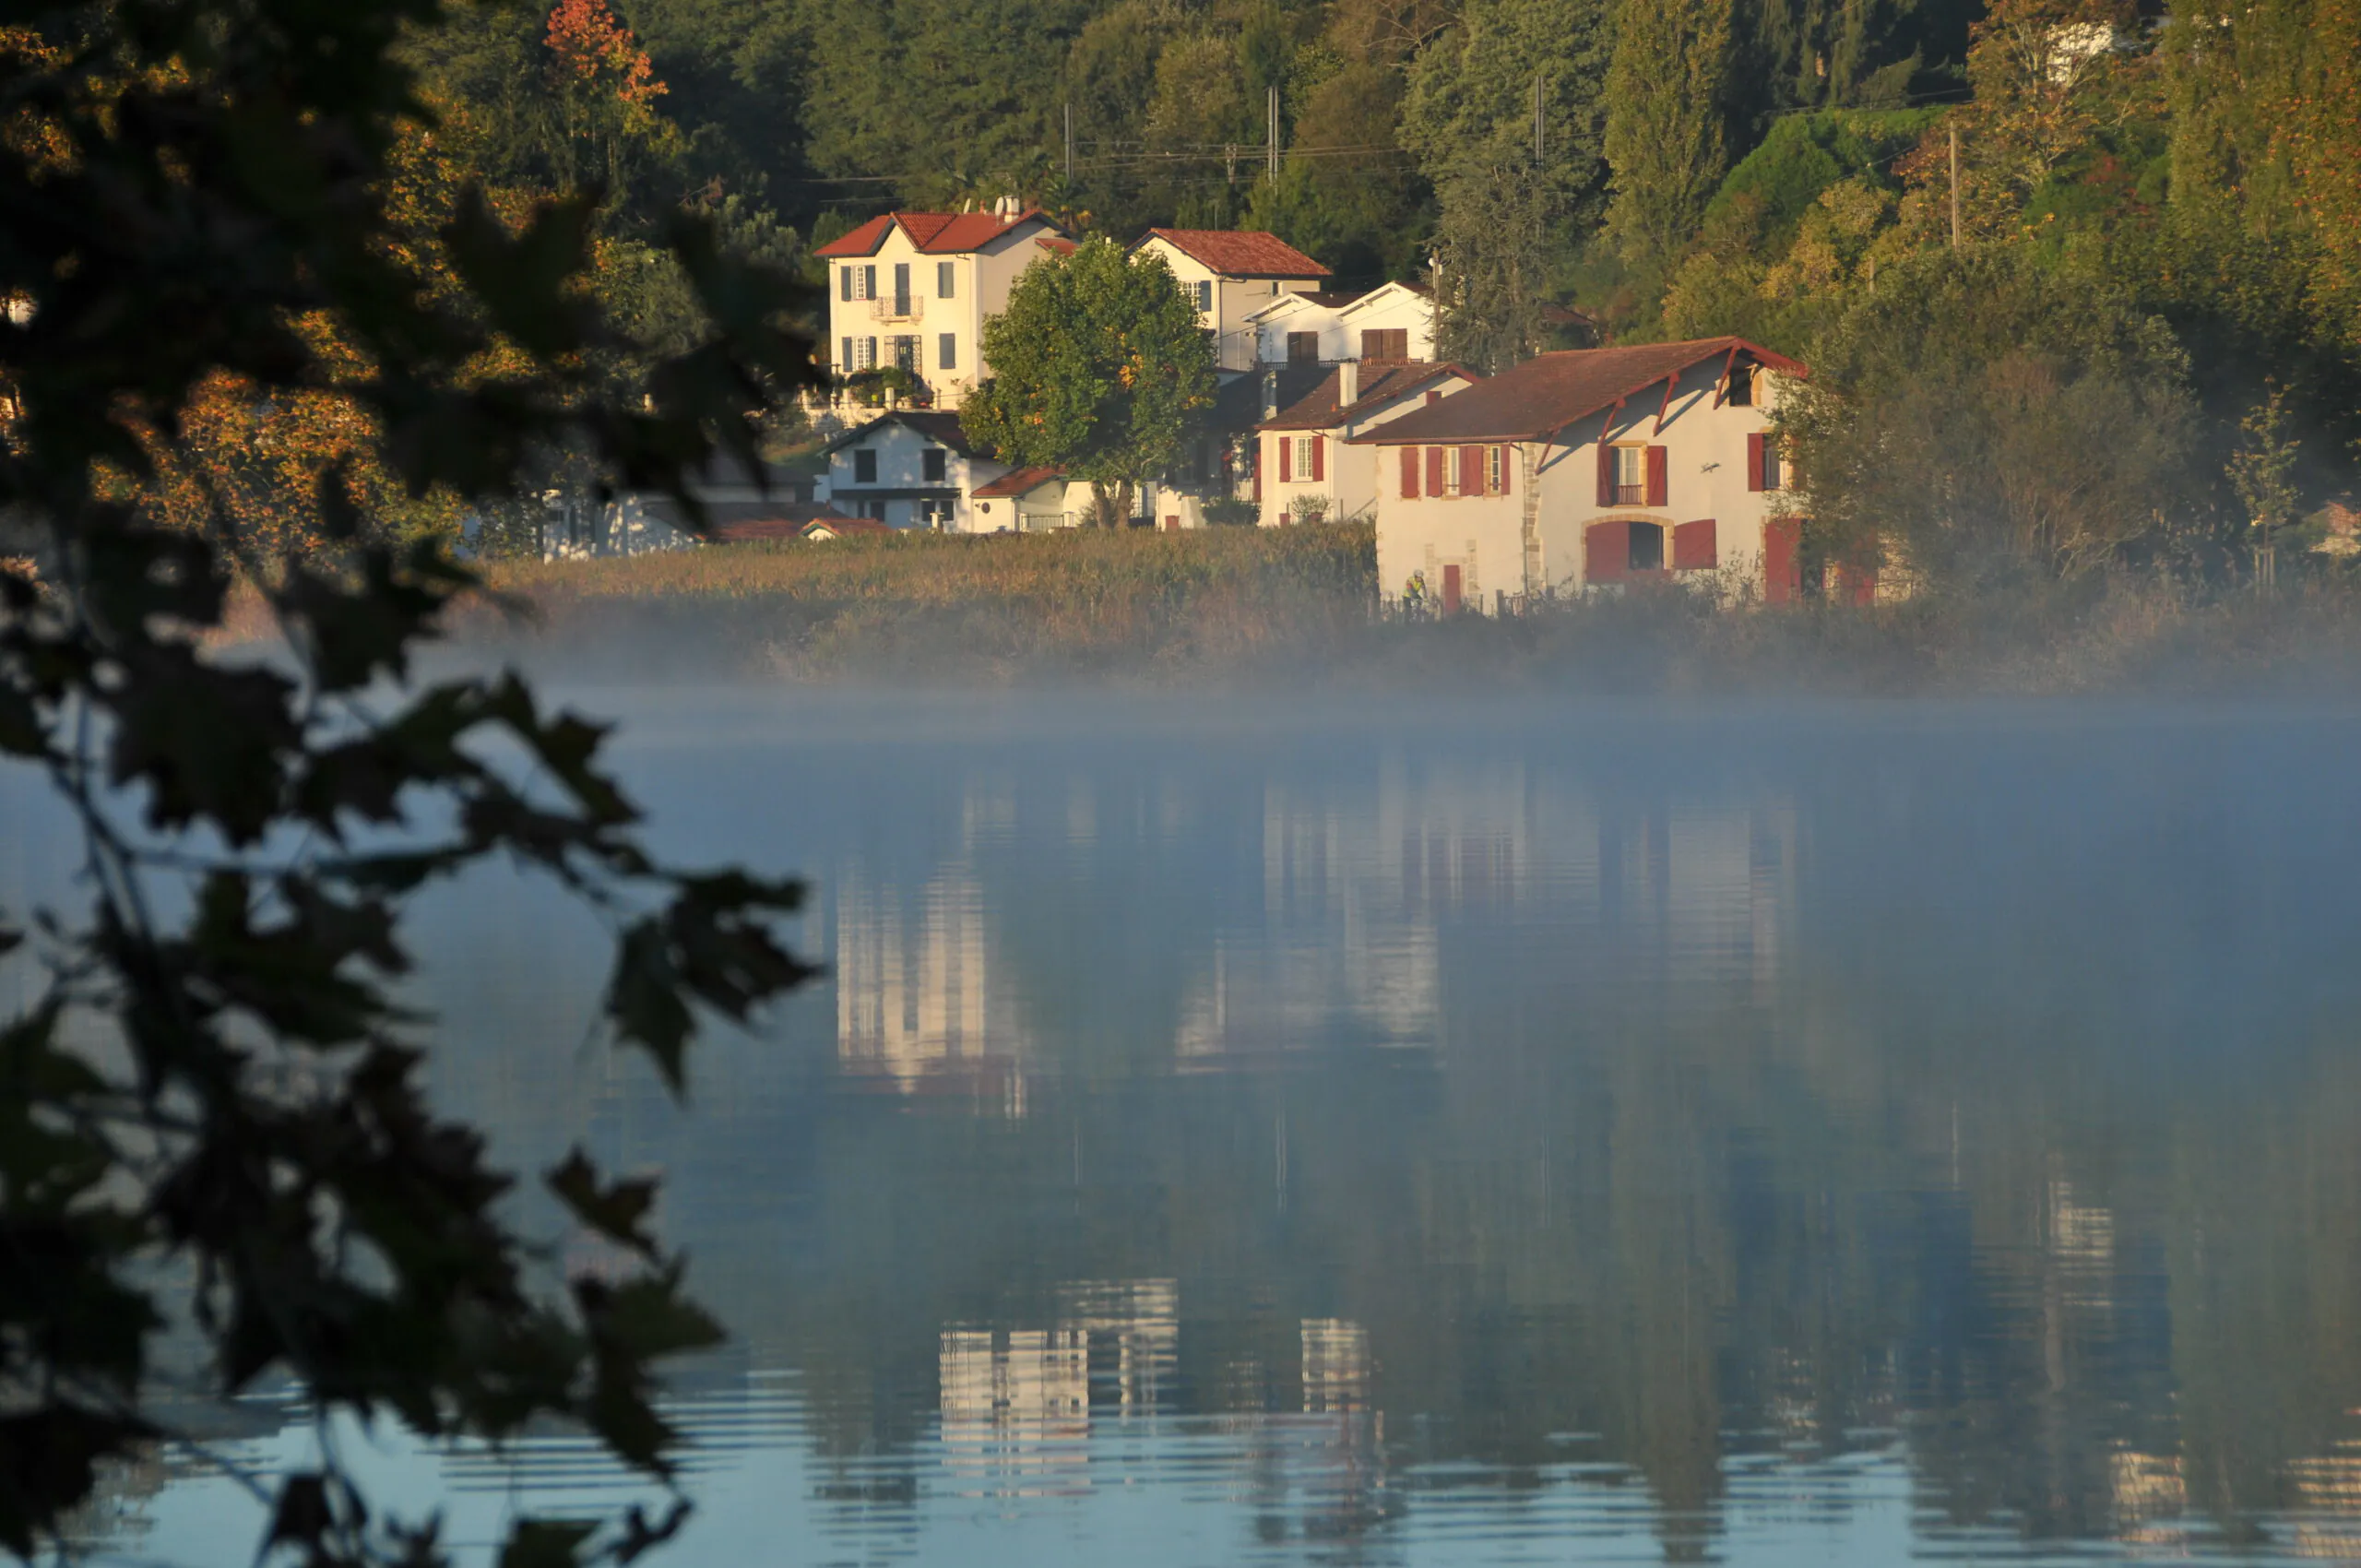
[
  {"x": 1007, "y": 208},
  {"x": 1348, "y": 384},
  {"x": 1270, "y": 394}
]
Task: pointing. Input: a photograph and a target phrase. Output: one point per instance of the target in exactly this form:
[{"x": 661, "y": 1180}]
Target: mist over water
[{"x": 1496, "y": 1131}]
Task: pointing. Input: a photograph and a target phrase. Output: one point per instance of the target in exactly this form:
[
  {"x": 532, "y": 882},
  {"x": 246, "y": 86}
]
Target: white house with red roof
[
  {"x": 1229, "y": 274},
  {"x": 912, "y": 290},
  {"x": 1587, "y": 468},
  {"x": 1306, "y": 467}
]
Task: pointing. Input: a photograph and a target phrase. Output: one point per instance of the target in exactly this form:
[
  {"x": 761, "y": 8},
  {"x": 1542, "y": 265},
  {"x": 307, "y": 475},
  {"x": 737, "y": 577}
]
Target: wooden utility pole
[
  {"x": 1069, "y": 143},
  {"x": 1540, "y": 139},
  {"x": 1275, "y": 131},
  {"x": 1955, "y": 188}
]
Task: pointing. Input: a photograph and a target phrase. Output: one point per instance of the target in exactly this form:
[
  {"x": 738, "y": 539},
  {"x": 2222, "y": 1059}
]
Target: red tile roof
[
  {"x": 934, "y": 233},
  {"x": 1381, "y": 381},
  {"x": 1240, "y": 253},
  {"x": 1545, "y": 394},
  {"x": 788, "y": 522},
  {"x": 836, "y": 528},
  {"x": 1058, "y": 243},
  {"x": 1018, "y": 481}
]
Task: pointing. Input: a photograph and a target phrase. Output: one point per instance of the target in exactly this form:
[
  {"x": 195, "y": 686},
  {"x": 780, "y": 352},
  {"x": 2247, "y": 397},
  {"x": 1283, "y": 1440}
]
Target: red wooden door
[
  {"x": 1783, "y": 562},
  {"x": 1607, "y": 551},
  {"x": 1450, "y": 590}
]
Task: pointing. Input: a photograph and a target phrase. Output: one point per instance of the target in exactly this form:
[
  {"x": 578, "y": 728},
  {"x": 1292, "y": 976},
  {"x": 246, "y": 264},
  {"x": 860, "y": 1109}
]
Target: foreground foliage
[{"x": 210, "y": 1118}]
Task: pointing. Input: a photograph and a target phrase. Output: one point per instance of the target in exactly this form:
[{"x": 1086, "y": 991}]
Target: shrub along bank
[{"x": 1258, "y": 604}]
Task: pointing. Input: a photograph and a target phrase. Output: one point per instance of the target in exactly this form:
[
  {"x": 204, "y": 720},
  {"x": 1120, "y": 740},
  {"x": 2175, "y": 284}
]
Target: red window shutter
[
  {"x": 1754, "y": 461},
  {"x": 1287, "y": 458},
  {"x": 1258, "y": 471},
  {"x": 1319, "y": 457},
  {"x": 1471, "y": 470},
  {"x": 1409, "y": 473},
  {"x": 1508, "y": 470},
  {"x": 1434, "y": 470},
  {"x": 1605, "y": 474},
  {"x": 1692, "y": 546},
  {"x": 1607, "y": 551},
  {"x": 1659, "y": 476}
]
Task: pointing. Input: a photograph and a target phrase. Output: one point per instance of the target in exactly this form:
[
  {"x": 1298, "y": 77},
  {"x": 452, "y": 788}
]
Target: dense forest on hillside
[{"x": 2084, "y": 274}]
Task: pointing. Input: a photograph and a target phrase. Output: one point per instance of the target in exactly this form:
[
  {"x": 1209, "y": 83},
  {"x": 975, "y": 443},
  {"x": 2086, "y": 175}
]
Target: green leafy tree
[
  {"x": 1098, "y": 368},
  {"x": 1669, "y": 96},
  {"x": 1987, "y": 420},
  {"x": 216, "y": 1084},
  {"x": 2262, "y": 473}
]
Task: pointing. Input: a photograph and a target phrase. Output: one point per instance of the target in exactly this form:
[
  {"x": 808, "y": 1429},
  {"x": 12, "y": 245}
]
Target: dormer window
[{"x": 1741, "y": 388}]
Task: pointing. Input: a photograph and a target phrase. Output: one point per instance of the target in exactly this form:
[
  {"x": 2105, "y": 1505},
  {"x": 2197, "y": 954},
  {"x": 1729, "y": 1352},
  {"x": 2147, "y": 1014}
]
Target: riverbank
[{"x": 1223, "y": 606}]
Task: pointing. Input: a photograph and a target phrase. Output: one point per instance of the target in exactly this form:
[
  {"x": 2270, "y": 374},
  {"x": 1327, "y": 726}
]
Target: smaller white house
[
  {"x": 1308, "y": 469},
  {"x": 910, "y": 468},
  {"x": 1396, "y": 322},
  {"x": 1229, "y": 274},
  {"x": 1032, "y": 501}
]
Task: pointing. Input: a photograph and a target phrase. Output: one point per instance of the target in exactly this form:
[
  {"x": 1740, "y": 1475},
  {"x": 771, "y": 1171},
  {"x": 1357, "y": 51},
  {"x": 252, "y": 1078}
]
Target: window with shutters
[
  {"x": 864, "y": 353},
  {"x": 934, "y": 463},
  {"x": 946, "y": 279},
  {"x": 1773, "y": 469},
  {"x": 901, "y": 288},
  {"x": 906, "y": 353},
  {"x": 1205, "y": 296},
  {"x": 1646, "y": 547},
  {"x": 1630, "y": 476},
  {"x": 864, "y": 466},
  {"x": 1305, "y": 467},
  {"x": 1452, "y": 481},
  {"x": 1386, "y": 343},
  {"x": 1303, "y": 348},
  {"x": 1496, "y": 470}
]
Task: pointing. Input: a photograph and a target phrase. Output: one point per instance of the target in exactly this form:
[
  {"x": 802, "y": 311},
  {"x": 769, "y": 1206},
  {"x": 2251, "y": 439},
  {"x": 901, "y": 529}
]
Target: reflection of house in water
[
  {"x": 1361, "y": 892},
  {"x": 1335, "y": 1365},
  {"x": 2150, "y": 1498},
  {"x": 1018, "y": 1403},
  {"x": 2081, "y": 1246},
  {"x": 2329, "y": 1487},
  {"x": 915, "y": 1007}
]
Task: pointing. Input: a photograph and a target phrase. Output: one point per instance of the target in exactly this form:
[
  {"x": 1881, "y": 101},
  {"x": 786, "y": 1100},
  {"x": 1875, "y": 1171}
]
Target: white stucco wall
[
  {"x": 1352, "y": 478},
  {"x": 1705, "y": 477},
  {"x": 980, "y": 282},
  {"x": 901, "y": 467},
  {"x": 1393, "y": 307},
  {"x": 1235, "y": 299}
]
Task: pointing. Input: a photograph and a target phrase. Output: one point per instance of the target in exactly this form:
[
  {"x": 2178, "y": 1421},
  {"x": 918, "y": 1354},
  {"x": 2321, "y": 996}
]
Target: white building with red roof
[
  {"x": 1229, "y": 274},
  {"x": 1392, "y": 322},
  {"x": 1306, "y": 467},
  {"x": 1588, "y": 469},
  {"x": 912, "y": 290}
]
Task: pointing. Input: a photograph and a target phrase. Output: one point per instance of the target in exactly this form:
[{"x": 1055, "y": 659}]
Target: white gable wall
[{"x": 900, "y": 494}]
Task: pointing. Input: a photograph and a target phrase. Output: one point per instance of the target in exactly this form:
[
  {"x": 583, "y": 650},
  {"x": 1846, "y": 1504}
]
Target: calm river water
[{"x": 1475, "y": 1133}]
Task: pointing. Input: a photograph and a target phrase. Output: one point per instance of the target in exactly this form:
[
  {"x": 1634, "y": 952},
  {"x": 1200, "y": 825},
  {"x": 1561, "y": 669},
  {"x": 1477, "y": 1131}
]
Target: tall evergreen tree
[
  {"x": 1512, "y": 202},
  {"x": 1668, "y": 95}
]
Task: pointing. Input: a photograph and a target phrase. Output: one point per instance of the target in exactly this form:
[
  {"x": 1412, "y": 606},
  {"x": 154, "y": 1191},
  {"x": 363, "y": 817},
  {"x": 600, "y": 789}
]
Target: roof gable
[
  {"x": 1239, "y": 253},
  {"x": 1545, "y": 393},
  {"x": 930, "y": 425}
]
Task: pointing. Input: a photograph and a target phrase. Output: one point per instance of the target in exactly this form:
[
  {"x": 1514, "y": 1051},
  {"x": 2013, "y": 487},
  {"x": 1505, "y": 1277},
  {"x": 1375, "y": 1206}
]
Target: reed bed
[{"x": 1082, "y": 601}]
